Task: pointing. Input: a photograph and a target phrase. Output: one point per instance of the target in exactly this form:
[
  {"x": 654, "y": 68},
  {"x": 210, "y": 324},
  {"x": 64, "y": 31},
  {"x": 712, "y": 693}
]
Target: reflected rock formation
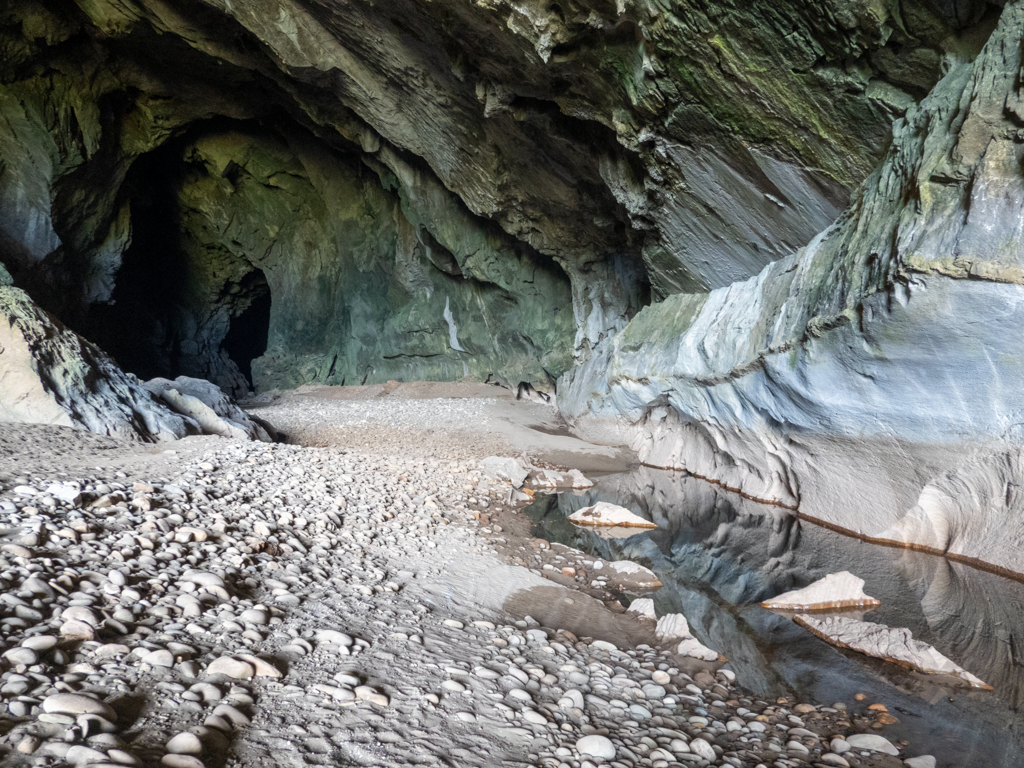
[{"x": 719, "y": 555}]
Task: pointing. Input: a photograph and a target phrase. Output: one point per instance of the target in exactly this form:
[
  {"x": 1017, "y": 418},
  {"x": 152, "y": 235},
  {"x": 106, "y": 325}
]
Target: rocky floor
[{"x": 368, "y": 600}]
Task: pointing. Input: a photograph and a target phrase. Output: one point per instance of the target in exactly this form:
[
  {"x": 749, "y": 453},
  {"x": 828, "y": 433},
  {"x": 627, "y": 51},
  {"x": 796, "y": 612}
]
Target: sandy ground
[{"x": 457, "y": 639}]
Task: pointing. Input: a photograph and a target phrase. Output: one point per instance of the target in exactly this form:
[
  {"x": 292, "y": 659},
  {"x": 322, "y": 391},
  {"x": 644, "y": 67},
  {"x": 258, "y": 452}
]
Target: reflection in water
[{"x": 719, "y": 555}]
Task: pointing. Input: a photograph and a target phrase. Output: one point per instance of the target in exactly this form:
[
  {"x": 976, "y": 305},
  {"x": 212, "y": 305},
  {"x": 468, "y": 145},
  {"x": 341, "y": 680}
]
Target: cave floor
[{"x": 360, "y": 595}]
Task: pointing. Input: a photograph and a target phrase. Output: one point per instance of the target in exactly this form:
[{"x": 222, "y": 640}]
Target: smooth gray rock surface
[
  {"x": 206, "y": 403},
  {"x": 51, "y": 375},
  {"x": 874, "y": 374}
]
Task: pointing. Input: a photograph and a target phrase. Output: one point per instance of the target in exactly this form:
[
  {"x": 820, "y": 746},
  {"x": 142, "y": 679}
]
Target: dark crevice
[{"x": 248, "y": 333}]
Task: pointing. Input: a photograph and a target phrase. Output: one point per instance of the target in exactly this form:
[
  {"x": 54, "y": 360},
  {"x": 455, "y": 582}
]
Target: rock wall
[
  {"x": 611, "y": 150},
  {"x": 51, "y": 375},
  {"x": 879, "y": 369}
]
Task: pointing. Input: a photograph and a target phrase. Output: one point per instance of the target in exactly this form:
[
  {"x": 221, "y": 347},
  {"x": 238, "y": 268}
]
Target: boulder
[
  {"x": 837, "y": 590},
  {"x": 514, "y": 471},
  {"x": 892, "y": 644},
  {"x": 604, "y": 513},
  {"x": 207, "y": 405},
  {"x": 551, "y": 478}
]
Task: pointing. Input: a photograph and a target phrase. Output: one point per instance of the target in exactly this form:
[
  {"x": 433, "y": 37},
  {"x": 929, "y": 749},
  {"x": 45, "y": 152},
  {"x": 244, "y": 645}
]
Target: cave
[
  {"x": 179, "y": 307},
  {"x": 771, "y": 249},
  {"x": 247, "y": 335}
]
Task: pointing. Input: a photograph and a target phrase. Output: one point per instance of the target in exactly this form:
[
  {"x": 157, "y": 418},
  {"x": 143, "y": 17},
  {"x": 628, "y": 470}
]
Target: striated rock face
[
  {"x": 357, "y": 191},
  {"x": 266, "y": 193},
  {"x": 50, "y": 375},
  {"x": 894, "y": 644},
  {"x": 878, "y": 369}
]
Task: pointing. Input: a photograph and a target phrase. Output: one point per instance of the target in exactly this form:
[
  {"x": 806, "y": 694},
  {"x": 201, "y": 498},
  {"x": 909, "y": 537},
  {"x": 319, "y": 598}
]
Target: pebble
[
  {"x": 77, "y": 704},
  {"x": 831, "y": 758},
  {"x": 231, "y": 667},
  {"x": 158, "y": 658},
  {"x": 185, "y": 744},
  {"x": 24, "y": 656},
  {"x": 188, "y": 574},
  {"x": 366, "y": 693},
  {"x": 596, "y": 746},
  {"x": 703, "y": 749},
  {"x": 181, "y": 761}
]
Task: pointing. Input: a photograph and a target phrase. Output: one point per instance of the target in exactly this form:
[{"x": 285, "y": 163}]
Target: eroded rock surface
[
  {"x": 889, "y": 643},
  {"x": 837, "y": 379},
  {"x": 207, "y": 405},
  {"x": 476, "y": 189},
  {"x": 51, "y": 375}
]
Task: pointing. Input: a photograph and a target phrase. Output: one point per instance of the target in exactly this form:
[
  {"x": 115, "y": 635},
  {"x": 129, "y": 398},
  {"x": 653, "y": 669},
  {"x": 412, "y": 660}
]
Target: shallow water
[{"x": 719, "y": 555}]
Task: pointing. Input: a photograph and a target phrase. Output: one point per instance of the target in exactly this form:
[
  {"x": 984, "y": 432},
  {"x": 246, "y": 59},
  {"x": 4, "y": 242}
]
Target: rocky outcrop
[
  {"x": 881, "y": 359},
  {"x": 209, "y": 407},
  {"x": 471, "y": 189},
  {"x": 893, "y": 644},
  {"x": 50, "y": 375}
]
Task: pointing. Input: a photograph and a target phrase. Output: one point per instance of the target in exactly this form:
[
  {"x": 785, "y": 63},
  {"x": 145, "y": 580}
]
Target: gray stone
[
  {"x": 77, "y": 704},
  {"x": 872, "y": 741},
  {"x": 596, "y": 746}
]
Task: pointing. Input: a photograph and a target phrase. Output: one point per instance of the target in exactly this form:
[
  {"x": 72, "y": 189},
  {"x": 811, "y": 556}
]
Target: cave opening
[
  {"x": 249, "y": 331},
  {"x": 136, "y": 325},
  {"x": 182, "y": 303}
]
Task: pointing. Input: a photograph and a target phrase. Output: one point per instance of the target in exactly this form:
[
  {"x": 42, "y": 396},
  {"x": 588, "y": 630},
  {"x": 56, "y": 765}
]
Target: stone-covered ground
[{"x": 360, "y": 602}]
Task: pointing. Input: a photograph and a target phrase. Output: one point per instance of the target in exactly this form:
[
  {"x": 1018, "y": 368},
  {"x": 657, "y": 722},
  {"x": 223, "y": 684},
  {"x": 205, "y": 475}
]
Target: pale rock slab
[
  {"x": 644, "y": 607},
  {"x": 892, "y": 644},
  {"x": 507, "y": 469},
  {"x": 837, "y": 590},
  {"x": 604, "y": 513}
]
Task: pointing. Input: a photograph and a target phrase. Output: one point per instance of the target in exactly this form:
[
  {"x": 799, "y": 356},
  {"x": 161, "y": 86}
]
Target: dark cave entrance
[
  {"x": 182, "y": 304},
  {"x": 249, "y": 331},
  {"x": 136, "y": 326}
]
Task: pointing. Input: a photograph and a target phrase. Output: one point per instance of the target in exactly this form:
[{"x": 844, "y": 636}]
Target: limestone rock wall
[
  {"x": 50, "y": 375},
  {"x": 644, "y": 147},
  {"x": 882, "y": 360}
]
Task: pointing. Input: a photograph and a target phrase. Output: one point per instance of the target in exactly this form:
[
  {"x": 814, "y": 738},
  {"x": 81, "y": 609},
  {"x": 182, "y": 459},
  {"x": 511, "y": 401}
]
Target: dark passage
[
  {"x": 248, "y": 333},
  {"x": 182, "y": 305},
  {"x": 138, "y": 327}
]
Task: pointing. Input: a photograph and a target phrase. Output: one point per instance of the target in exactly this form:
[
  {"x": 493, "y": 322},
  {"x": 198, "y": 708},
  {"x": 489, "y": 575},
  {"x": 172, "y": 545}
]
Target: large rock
[
  {"x": 51, "y": 375},
  {"x": 836, "y": 590},
  {"x": 890, "y": 643},
  {"x": 207, "y": 405},
  {"x": 605, "y": 514},
  {"x": 882, "y": 359}
]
